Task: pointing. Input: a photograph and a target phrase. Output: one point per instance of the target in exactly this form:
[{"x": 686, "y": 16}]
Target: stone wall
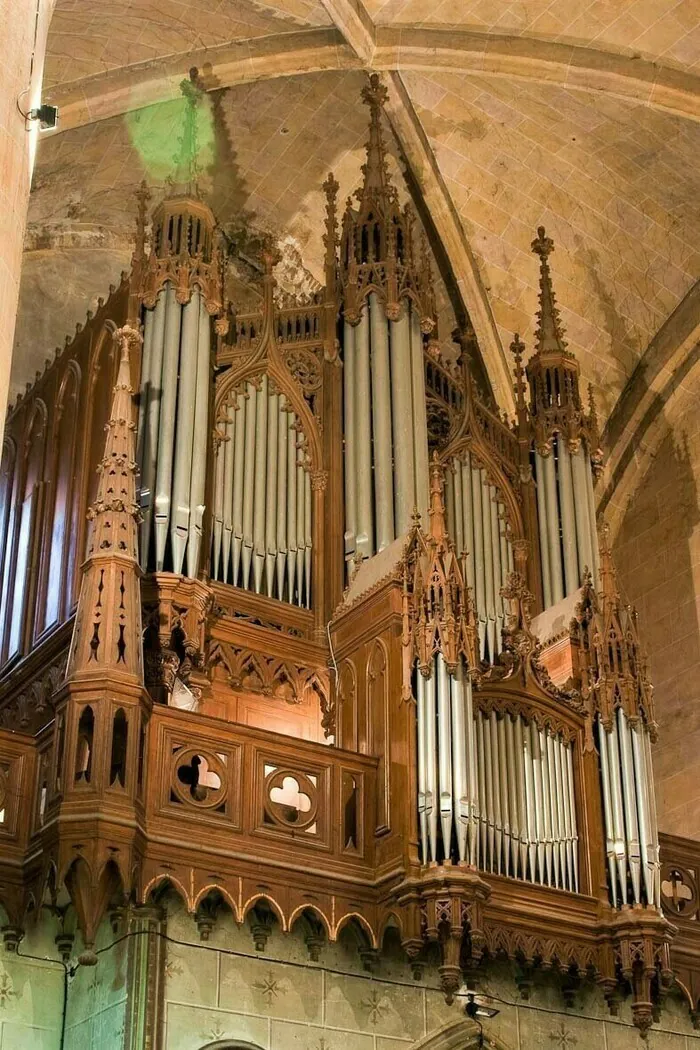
[
  {"x": 31, "y": 993},
  {"x": 657, "y": 552},
  {"x": 279, "y": 999}
]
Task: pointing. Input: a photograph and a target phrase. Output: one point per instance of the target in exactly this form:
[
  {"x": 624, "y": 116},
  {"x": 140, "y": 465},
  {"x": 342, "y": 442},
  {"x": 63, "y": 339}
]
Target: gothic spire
[
  {"x": 187, "y": 171},
  {"x": 107, "y": 631},
  {"x": 376, "y": 185},
  {"x": 550, "y": 336}
]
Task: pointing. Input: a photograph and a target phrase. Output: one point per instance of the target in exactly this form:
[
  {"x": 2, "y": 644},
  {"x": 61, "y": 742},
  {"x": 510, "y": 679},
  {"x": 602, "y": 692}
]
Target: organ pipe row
[
  {"x": 629, "y": 810},
  {"x": 567, "y": 519},
  {"x": 261, "y": 537},
  {"x": 385, "y": 423},
  {"x": 477, "y": 523},
  {"x": 494, "y": 791},
  {"x": 173, "y": 430}
]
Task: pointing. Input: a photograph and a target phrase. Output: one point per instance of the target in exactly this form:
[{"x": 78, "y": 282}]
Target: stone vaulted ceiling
[{"x": 580, "y": 116}]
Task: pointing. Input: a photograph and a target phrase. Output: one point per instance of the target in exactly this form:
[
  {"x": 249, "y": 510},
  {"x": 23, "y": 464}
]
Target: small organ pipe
[
  {"x": 530, "y": 818},
  {"x": 301, "y": 517},
  {"x": 260, "y": 490},
  {"x": 503, "y": 792},
  {"x": 218, "y": 529},
  {"x": 579, "y": 466},
  {"x": 592, "y": 520},
  {"x": 479, "y": 560},
  {"x": 363, "y": 439},
  {"x": 537, "y": 785},
  {"x": 145, "y": 376},
  {"x": 460, "y": 784},
  {"x": 543, "y": 529},
  {"x": 460, "y": 544},
  {"x": 444, "y": 725},
  {"x": 553, "y": 530},
  {"x": 166, "y": 444},
  {"x": 490, "y": 605},
  {"x": 291, "y": 506},
  {"x": 642, "y": 799},
  {"x": 513, "y": 785},
  {"x": 239, "y": 470},
  {"x": 568, "y": 519},
  {"x": 546, "y": 805},
  {"x": 404, "y": 468},
  {"x": 607, "y": 811},
  {"x": 422, "y": 766},
  {"x": 273, "y": 416},
  {"x": 467, "y": 519},
  {"x": 556, "y": 834},
  {"x": 349, "y": 396},
  {"x": 282, "y": 461},
  {"x": 198, "y": 470},
  {"x": 572, "y": 810},
  {"x": 381, "y": 424},
  {"x": 498, "y": 580},
  {"x": 227, "y": 458},
  {"x": 630, "y": 805},
  {"x": 248, "y": 481},
  {"x": 308, "y": 538},
  {"x": 420, "y": 419},
  {"x": 184, "y": 432},
  {"x": 560, "y": 861},
  {"x": 152, "y": 372},
  {"x": 617, "y": 808},
  {"x": 431, "y": 766},
  {"x": 483, "y": 804},
  {"x": 474, "y": 796},
  {"x": 654, "y": 827}
]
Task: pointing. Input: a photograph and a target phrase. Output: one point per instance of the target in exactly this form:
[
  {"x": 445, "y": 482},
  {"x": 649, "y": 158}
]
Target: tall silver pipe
[
  {"x": 543, "y": 530},
  {"x": 505, "y": 773},
  {"x": 473, "y": 774},
  {"x": 592, "y": 519},
  {"x": 166, "y": 443},
  {"x": 497, "y": 808},
  {"x": 308, "y": 537},
  {"x": 444, "y": 725},
  {"x": 498, "y": 579},
  {"x": 467, "y": 521},
  {"x": 402, "y": 419},
  {"x": 490, "y": 803},
  {"x": 617, "y": 808},
  {"x": 301, "y": 522},
  {"x": 490, "y": 603},
  {"x": 653, "y": 821},
  {"x": 431, "y": 781},
  {"x": 554, "y": 799},
  {"x": 422, "y": 766},
  {"x": 458, "y": 529},
  {"x": 232, "y": 458},
  {"x": 198, "y": 475},
  {"x": 546, "y": 806},
  {"x": 420, "y": 419},
  {"x": 608, "y": 811},
  {"x": 282, "y": 461},
  {"x": 579, "y": 467},
  {"x": 273, "y": 415},
  {"x": 568, "y": 521},
  {"x": 524, "y": 799},
  {"x": 249, "y": 468},
  {"x": 460, "y": 785},
  {"x": 364, "y": 540},
  {"x": 381, "y": 424},
  {"x": 218, "y": 529},
  {"x": 184, "y": 432},
  {"x": 349, "y": 396},
  {"x": 561, "y": 833},
  {"x": 642, "y": 799},
  {"x": 292, "y": 538},
  {"x": 513, "y": 806},
  {"x": 260, "y": 490},
  {"x": 572, "y": 810},
  {"x": 149, "y": 423},
  {"x": 479, "y": 560},
  {"x": 537, "y": 785},
  {"x": 629, "y": 798},
  {"x": 483, "y": 802},
  {"x": 553, "y": 530}
]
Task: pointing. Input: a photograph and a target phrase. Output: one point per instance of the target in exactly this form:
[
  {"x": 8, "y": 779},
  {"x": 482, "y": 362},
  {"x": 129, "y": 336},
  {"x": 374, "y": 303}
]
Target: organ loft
[{"x": 314, "y": 655}]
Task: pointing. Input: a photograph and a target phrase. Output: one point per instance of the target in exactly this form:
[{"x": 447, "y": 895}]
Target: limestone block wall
[
  {"x": 279, "y": 999},
  {"x": 97, "y": 997},
  {"x": 31, "y": 993},
  {"x": 657, "y": 552}
]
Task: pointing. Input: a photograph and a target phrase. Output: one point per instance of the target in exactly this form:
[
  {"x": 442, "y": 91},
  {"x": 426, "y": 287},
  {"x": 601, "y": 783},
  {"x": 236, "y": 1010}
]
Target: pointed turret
[
  {"x": 553, "y": 372},
  {"x": 377, "y": 246},
  {"x": 438, "y": 609},
  {"x": 107, "y": 632}
]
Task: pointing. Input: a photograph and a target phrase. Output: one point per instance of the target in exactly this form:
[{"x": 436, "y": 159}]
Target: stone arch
[
  {"x": 228, "y": 1044},
  {"x": 459, "y": 1035}
]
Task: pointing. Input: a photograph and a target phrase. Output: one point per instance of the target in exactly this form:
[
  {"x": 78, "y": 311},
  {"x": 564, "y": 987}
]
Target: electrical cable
[{"x": 68, "y": 971}]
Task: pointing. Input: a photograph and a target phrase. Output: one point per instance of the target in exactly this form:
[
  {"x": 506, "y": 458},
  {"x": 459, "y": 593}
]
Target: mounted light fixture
[
  {"x": 46, "y": 115},
  {"x": 477, "y": 1010}
]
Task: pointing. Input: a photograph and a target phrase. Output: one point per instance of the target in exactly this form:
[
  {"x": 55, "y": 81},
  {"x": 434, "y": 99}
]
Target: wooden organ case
[{"x": 304, "y": 575}]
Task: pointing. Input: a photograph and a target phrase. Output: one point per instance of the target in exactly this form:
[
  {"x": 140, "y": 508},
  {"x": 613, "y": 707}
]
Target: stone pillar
[
  {"x": 23, "y": 30},
  {"x": 142, "y": 1030}
]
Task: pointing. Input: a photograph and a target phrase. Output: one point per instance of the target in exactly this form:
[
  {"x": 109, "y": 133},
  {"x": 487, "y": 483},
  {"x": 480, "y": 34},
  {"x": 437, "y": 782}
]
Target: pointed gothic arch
[{"x": 463, "y": 1034}]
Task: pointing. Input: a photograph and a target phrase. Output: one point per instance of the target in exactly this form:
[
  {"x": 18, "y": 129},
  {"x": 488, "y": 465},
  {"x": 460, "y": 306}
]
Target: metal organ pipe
[
  {"x": 173, "y": 432},
  {"x": 420, "y": 418},
  {"x": 364, "y": 539},
  {"x": 494, "y": 790},
  {"x": 263, "y": 474},
  {"x": 402, "y": 420},
  {"x": 553, "y": 529},
  {"x": 568, "y": 519},
  {"x": 381, "y": 424},
  {"x": 584, "y": 539},
  {"x": 629, "y": 811},
  {"x": 349, "y": 383},
  {"x": 479, "y": 529}
]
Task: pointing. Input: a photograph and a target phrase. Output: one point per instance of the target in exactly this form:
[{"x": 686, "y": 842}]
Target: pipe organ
[
  {"x": 289, "y": 589},
  {"x": 262, "y": 535},
  {"x": 180, "y": 295}
]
